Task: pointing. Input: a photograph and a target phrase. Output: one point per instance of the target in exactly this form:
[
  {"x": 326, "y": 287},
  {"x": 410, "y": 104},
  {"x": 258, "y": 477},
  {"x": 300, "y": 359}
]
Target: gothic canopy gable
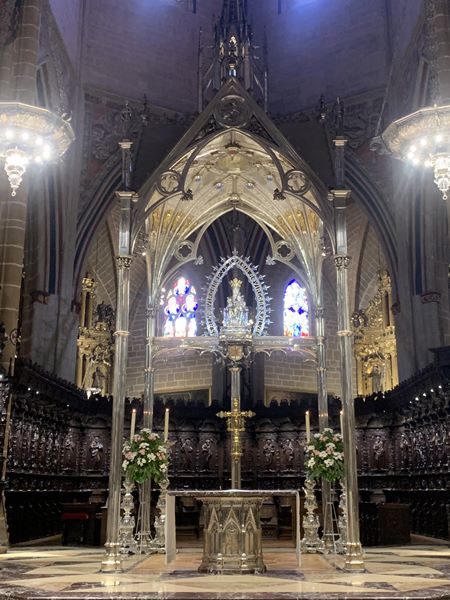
[
  {"x": 233, "y": 108},
  {"x": 232, "y": 158}
]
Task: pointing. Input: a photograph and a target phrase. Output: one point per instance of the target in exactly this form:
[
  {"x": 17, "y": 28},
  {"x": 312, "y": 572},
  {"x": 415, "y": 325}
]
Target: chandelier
[
  {"x": 423, "y": 139},
  {"x": 30, "y": 135}
]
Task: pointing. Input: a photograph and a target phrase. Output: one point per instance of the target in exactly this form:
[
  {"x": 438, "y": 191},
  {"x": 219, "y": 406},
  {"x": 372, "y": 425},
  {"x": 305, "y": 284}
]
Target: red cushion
[{"x": 74, "y": 516}]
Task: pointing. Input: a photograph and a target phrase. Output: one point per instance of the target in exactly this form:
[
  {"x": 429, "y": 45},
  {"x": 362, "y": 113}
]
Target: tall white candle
[
  {"x": 342, "y": 422},
  {"x": 133, "y": 423},
  {"x": 308, "y": 427},
  {"x": 166, "y": 425}
]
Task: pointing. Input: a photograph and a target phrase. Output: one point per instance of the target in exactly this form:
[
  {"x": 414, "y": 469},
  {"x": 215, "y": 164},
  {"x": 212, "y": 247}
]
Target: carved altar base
[
  {"x": 232, "y": 533},
  {"x": 232, "y": 530}
]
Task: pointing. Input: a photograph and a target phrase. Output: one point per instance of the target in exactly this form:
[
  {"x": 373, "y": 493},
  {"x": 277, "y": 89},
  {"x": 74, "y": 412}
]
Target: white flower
[
  {"x": 311, "y": 462},
  {"x": 329, "y": 462},
  {"x": 323, "y": 454},
  {"x": 164, "y": 467},
  {"x": 317, "y": 435},
  {"x": 310, "y": 448},
  {"x": 151, "y": 456},
  {"x": 125, "y": 465},
  {"x": 330, "y": 445}
]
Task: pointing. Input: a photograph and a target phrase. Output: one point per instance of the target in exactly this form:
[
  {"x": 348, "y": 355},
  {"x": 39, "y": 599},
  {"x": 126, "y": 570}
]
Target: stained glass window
[
  {"x": 296, "y": 314},
  {"x": 180, "y": 308}
]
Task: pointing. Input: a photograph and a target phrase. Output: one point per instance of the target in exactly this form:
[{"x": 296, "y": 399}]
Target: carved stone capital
[
  {"x": 151, "y": 312},
  {"x": 125, "y": 144},
  {"x": 396, "y": 308},
  {"x": 340, "y": 141},
  {"x": 39, "y": 296},
  {"x": 341, "y": 261},
  {"x": 124, "y": 262},
  {"x": 126, "y": 195},
  {"x": 429, "y": 297},
  {"x": 121, "y": 333},
  {"x": 339, "y": 197},
  {"x": 319, "y": 312}
]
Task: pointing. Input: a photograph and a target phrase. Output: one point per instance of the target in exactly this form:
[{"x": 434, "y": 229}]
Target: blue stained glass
[
  {"x": 180, "y": 310},
  {"x": 296, "y": 311}
]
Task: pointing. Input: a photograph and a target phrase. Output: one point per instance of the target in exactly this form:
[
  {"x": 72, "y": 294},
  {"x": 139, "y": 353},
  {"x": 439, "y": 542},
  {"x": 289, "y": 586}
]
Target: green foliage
[
  {"x": 145, "y": 457},
  {"x": 324, "y": 456}
]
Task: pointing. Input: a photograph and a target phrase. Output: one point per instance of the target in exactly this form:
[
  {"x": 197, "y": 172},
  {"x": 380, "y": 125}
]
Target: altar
[{"x": 232, "y": 535}]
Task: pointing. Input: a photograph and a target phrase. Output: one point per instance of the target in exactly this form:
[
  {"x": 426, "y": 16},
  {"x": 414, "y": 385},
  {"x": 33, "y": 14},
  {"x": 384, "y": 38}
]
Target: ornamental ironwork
[{"x": 258, "y": 286}]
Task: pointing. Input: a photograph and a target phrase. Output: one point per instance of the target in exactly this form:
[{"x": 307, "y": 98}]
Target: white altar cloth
[{"x": 170, "y": 525}]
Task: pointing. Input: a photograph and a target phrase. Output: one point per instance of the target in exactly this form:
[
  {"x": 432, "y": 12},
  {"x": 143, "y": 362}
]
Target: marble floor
[{"x": 57, "y": 573}]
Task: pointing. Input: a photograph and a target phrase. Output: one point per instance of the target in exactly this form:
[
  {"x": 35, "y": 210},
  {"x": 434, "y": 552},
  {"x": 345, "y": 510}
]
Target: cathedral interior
[{"x": 225, "y": 216}]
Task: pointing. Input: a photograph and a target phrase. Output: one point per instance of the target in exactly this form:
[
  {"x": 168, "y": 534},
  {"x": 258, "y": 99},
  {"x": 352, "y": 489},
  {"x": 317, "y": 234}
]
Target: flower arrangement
[
  {"x": 325, "y": 456},
  {"x": 145, "y": 457}
]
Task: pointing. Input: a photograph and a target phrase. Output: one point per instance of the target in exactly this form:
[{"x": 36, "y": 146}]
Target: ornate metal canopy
[
  {"x": 234, "y": 172},
  {"x": 259, "y": 289}
]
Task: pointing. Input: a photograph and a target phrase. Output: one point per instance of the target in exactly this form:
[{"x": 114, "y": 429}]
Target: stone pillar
[
  {"x": 5, "y": 417},
  {"x": 149, "y": 380},
  {"x": 340, "y": 196},
  {"x": 18, "y": 83},
  {"x": 113, "y": 561},
  {"x": 354, "y": 555},
  {"x": 322, "y": 403},
  {"x": 322, "y": 394},
  {"x": 13, "y": 214},
  {"x": 438, "y": 49}
]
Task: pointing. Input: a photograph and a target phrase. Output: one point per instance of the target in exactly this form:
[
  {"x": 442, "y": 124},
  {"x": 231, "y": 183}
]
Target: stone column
[
  {"x": 437, "y": 49},
  {"x": 18, "y": 83},
  {"x": 354, "y": 555},
  {"x": 18, "y": 65},
  {"x": 145, "y": 489},
  {"x": 322, "y": 402},
  {"x": 5, "y": 415},
  {"x": 112, "y": 561},
  {"x": 13, "y": 214},
  {"x": 322, "y": 394},
  {"x": 149, "y": 380}
]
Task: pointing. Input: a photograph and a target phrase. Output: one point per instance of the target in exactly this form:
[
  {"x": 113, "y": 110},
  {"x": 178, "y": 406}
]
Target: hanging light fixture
[
  {"x": 423, "y": 139},
  {"x": 30, "y": 134}
]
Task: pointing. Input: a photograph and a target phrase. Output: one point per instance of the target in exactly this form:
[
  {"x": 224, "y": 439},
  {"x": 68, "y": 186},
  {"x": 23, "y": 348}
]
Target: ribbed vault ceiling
[{"x": 233, "y": 172}]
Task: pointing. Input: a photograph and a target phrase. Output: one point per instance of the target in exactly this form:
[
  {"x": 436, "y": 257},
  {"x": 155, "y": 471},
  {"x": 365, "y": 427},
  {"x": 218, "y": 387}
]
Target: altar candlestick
[
  {"x": 342, "y": 422},
  {"x": 308, "y": 427},
  {"x": 133, "y": 423},
  {"x": 166, "y": 425}
]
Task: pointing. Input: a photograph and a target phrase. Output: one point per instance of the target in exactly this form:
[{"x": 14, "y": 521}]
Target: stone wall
[
  {"x": 146, "y": 47},
  {"x": 313, "y": 45},
  {"x": 185, "y": 373}
]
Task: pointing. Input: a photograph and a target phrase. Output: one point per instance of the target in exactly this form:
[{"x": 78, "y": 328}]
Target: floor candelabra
[
  {"x": 311, "y": 542},
  {"x": 144, "y": 540},
  {"x": 127, "y": 521},
  {"x": 159, "y": 540},
  {"x": 341, "y": 543}
]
